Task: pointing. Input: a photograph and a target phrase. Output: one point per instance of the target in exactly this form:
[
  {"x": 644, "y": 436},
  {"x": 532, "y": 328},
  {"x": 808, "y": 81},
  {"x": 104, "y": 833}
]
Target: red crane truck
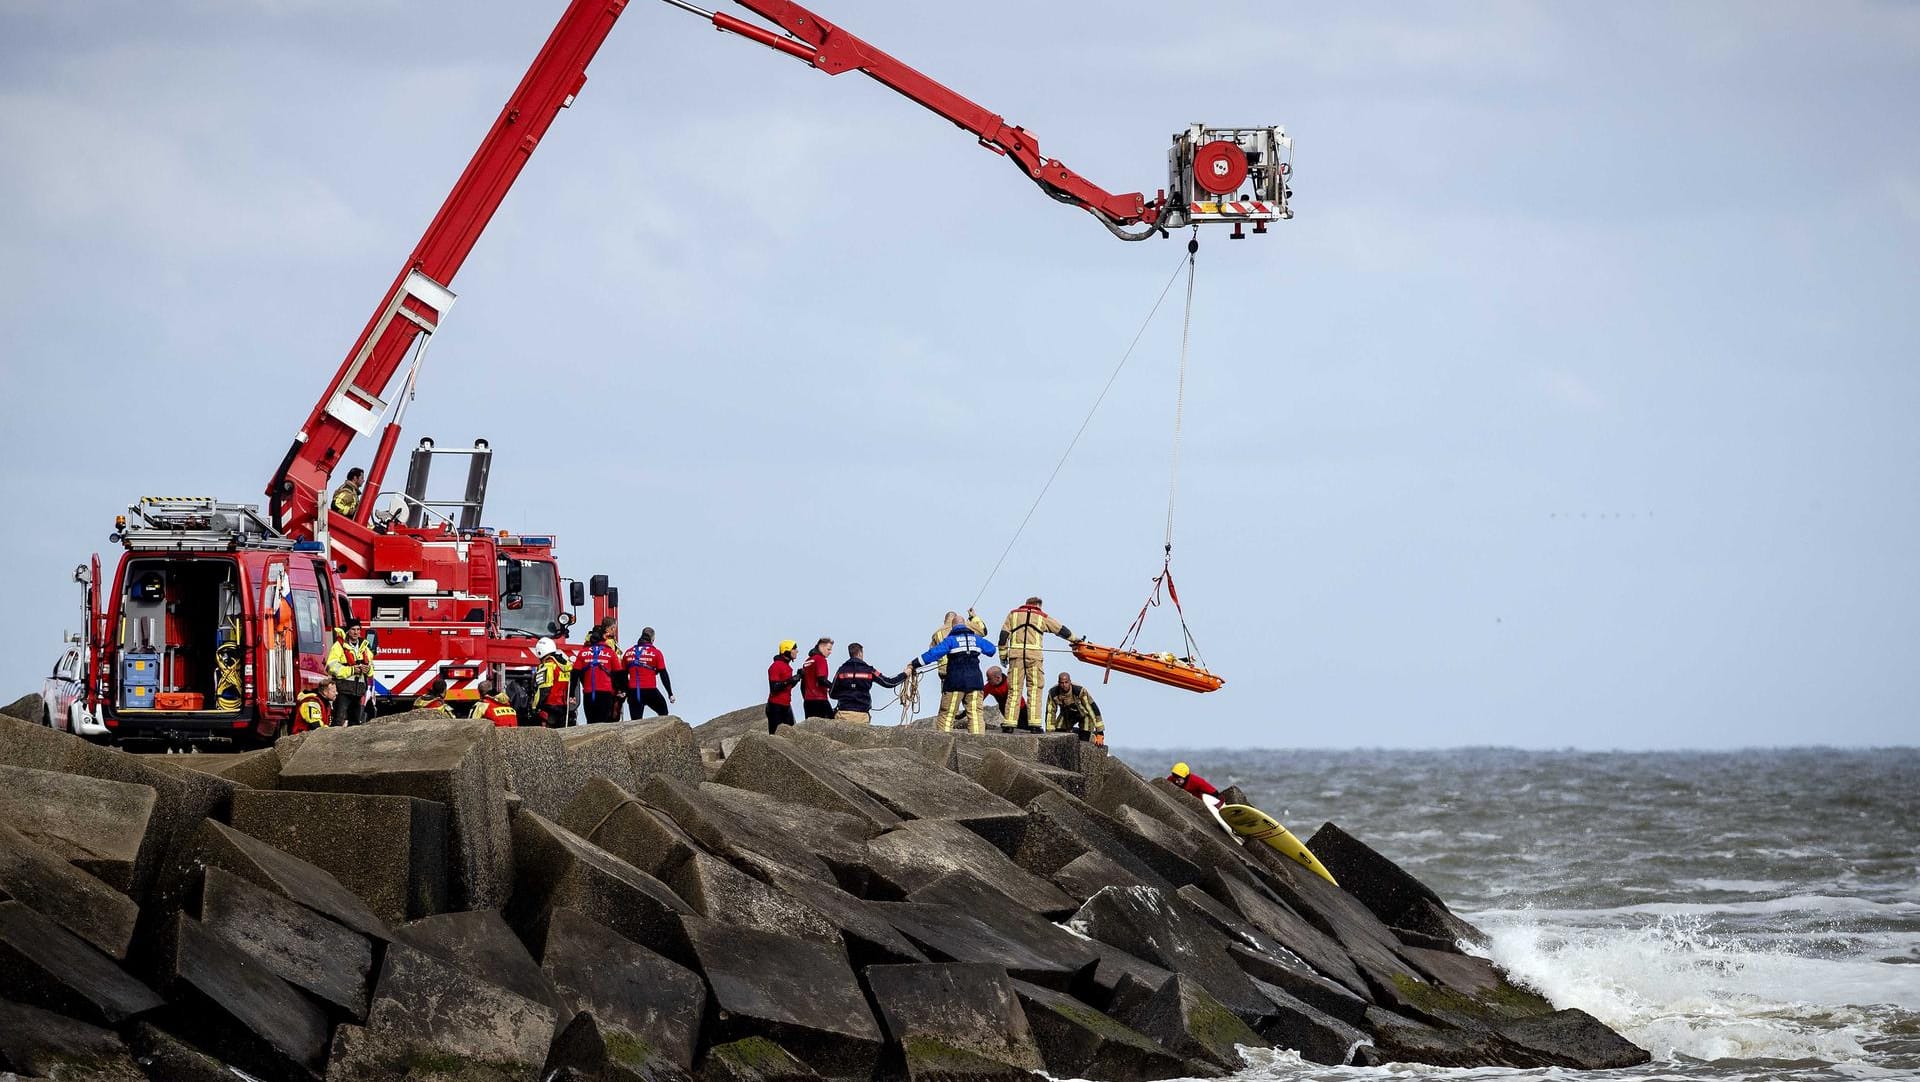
[{"x": 217, "y": 616}]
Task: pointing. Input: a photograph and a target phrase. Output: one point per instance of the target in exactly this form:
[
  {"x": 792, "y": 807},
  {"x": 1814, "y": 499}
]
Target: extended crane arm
[
  {"x": 1231, "y": 175},
  {"x": 833, "y": 50}
]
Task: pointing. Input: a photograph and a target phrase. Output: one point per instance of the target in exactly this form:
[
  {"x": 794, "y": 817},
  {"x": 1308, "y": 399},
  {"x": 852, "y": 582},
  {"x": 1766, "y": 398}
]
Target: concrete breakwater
[{"x": 433, "y": 898}]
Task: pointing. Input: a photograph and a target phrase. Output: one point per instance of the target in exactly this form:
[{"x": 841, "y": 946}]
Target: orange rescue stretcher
[{"x": 1159, "y": 668}]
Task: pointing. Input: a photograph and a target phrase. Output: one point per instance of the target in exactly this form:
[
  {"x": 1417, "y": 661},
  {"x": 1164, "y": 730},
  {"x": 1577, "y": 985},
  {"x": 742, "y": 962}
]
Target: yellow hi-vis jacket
[
  {"x": 550, "y": 683},
  {"x": 346, "y": 499},
  {"x": 309, "y": 711},
  {"x": 344, "y": 657},
  {"x": 1023, "y": 635}
]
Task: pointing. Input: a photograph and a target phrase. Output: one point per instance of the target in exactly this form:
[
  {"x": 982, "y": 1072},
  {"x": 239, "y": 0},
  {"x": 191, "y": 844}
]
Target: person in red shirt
[
  {"x": 780, "y": 681},
  {"x": 816, "y": 682},
  {"x": 593, "y": 670},
  {"x": 646, "y": 669},
  {"x": 998, "y": 689},
  {"x": 1191, "y": 782}
]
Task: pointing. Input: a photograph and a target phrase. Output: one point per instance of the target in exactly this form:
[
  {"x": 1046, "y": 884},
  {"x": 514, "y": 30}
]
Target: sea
[{"x": 1744, "y": 916}]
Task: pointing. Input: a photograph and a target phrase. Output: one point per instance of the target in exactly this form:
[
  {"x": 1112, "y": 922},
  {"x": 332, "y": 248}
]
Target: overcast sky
[{"x": 1576, "y": 407}]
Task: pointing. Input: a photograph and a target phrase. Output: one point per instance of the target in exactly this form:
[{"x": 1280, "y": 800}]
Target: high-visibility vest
[
  {"x": 553, "y": 680},
  {"x": 309, "y": 712},
  {"x": 499, "y": 710},
  {"x": 342, "y": 656},
  {"x": 428, "y": 702},
  {"x": 346, "y": 499}
]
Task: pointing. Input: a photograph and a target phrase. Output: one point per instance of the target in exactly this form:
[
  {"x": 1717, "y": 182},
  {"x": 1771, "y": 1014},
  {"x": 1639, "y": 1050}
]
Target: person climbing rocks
[
  {"x": 1070, "y": 707},
  {"x": 961, "y": 687},
  {"x": 350, "y": 663},
  {"x": 552, "y": 684},
  {"x": 495, "y": 707},
  {"x": 1022, "y": 642},
  {"x": 816, "y": 681},
  {"x": 435, "y": 699},
  {"x": 593, "y": 670},
  {"x": 646, "y": 669},
  {"x": 346, "y": 498},
  {"x": 780, "y": 681},
  {"x": 997, "y": 689},
  {"x": 313, "y": 709},
  {"x": 947, "y": 624},
  {"x": 853, "y": 686},
  {"x": 1191, "y": 782}
]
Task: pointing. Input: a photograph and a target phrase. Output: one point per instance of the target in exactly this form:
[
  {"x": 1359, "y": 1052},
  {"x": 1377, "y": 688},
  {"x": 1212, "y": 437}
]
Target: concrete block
[
  {"x": 535, "y": 762},
  {"x": 104, "y": 828},
  {"x": 321, "y": 958},
  {"x": 234, "y": 1008},
  {"x": 779, "y": 769},
  {"x": 55, "y": 889},
  {"x": 480, "y": 944},
  {"x": 923, "y": 850},
  {"x": 561, "y": 870},
  {"x": 455, "y": 762},
  {"x": 43, "y": 1044},
  {"x": 914, "y": 789},
  {"x": 390, "y": 851},
  {"x": 956, "y": 1021},
  {"x": 1077, "y": 1041},
  {"x": 800, "y": 994},
  {"x": 646, "y": 1007},
  {"x": 44, "y": 965}
]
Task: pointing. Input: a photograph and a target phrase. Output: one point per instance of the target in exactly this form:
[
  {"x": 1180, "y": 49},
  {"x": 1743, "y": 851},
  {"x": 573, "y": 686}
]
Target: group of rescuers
[
  {"x": 956, "y": 647},
  {"x": 604, "y": 675}
]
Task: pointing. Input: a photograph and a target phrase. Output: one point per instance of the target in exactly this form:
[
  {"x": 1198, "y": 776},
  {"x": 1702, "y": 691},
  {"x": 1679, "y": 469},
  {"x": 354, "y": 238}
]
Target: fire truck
[{"x": 191, "y": 639}]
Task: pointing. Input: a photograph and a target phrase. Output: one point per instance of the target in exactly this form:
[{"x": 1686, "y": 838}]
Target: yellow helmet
[
  {"x": 1180, "y": 770},
  {"x": 787, "y": 646}
]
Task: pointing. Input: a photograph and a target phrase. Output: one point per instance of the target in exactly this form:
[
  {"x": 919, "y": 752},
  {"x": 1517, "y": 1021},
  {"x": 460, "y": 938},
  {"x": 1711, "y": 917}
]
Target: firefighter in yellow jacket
[
  {"x": 949, "y": 699},
  {"x": 314, "y": 708},
  {"x": 346, "y": 498},
  {"x": 552, "y": 684},
  {"x": 350, "y": 663},
  {"x": 1022, "y": 638}
]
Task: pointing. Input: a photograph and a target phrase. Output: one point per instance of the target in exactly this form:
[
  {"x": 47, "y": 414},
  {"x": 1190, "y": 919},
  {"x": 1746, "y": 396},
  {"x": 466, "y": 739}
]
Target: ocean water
[{"x": 1743, "y": 916}]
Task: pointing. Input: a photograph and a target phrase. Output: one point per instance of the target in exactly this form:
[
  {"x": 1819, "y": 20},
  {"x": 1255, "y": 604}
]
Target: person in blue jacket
[{"x": 962, "y": 648}]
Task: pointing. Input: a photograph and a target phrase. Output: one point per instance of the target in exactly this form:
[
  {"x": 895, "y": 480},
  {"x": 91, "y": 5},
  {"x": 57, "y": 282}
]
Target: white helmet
[{"x": 544, "y": 647}]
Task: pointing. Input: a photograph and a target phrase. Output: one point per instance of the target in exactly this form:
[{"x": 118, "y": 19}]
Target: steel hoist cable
[{"x": 1187, "y": 262}]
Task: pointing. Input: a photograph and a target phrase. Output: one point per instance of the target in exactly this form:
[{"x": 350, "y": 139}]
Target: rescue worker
[
  {"x": 853, "y": 686},
  {"x": 962, "y": 685},
  {"x": 496, "y": 707},
  {"x": 646, "y": 669},
  {"x": 1071, "y": 707},
  {"x": 780, "y": 681},
  {"x": 350, "y": 663},
  {"x": 593, "y": 670},
  {"x": 1191, "y": 782},
  {"x": 435, "y": 699},
  {"x": 1022, "y": 638},
  {"x": 552, "y": 683},
  {"x": 947, "y": 624},
  {"x": 314, "y": 708},
  {"x": 346, "y": 498},
  {"x": 816, "y": 682},
  {"x": 998, "y": 689}
]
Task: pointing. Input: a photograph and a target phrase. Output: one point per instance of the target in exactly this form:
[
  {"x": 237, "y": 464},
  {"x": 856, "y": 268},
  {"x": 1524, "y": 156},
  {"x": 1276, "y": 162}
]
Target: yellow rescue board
[{"x": 1257, "y": 826}]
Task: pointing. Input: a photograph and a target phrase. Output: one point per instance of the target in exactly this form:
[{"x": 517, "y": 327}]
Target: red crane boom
[{"x": 1208, "y": 170}]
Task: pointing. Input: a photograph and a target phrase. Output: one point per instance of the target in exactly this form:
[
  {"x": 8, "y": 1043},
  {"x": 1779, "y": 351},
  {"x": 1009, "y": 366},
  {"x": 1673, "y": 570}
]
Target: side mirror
[
  {"x": 613, "y": 597},
  {"x": 577, "y": 593},
  {"x": 598, "y": 587},
  {"x": 514, "y": 584}
]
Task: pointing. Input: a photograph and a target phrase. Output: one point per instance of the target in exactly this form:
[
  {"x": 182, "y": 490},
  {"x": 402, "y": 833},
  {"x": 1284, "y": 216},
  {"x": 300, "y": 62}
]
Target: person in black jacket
[{"x": 853, "y": 686}]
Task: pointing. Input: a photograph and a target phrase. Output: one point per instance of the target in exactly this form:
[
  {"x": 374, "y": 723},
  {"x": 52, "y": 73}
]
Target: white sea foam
[{"x": 1677, "y": 990}]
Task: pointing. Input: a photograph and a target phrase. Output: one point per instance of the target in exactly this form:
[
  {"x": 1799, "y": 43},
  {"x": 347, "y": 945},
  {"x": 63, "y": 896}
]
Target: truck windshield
[{"x": 539, "y": 597}]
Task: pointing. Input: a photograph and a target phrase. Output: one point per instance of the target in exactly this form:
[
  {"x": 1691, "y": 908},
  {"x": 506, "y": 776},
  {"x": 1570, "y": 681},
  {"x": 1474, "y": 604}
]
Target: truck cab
[{"x": 209, "y": 628}]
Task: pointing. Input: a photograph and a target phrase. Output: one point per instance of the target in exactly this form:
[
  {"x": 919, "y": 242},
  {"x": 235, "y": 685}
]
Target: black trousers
[
  {"x": 347, "y": 704},
  {"x": 638, "y": 699},
  {"x": 778, "y": 714},
  {"x": 600, "y": 706},
  {"x": 816, "y": 708},
  {"x": 552, "y": 715}
]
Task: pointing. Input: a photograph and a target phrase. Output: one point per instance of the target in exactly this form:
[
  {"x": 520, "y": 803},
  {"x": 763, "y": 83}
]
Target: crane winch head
[{"x": 1235, "y": 175}]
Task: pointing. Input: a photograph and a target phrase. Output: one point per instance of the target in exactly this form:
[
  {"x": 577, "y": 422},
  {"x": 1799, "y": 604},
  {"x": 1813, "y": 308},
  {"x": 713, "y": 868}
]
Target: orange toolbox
[{"x": 180, "y": 700}]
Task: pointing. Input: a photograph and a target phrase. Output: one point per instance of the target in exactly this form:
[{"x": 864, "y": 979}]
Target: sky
[{"x": 1574, "y": 408}]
